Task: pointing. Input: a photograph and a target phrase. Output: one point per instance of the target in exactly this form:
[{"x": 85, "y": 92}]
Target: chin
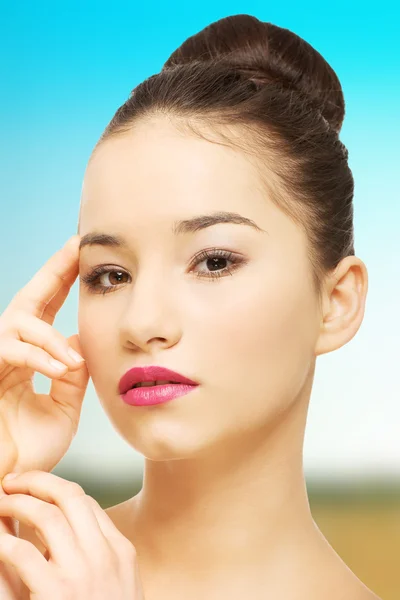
[{"x": 164, "y": 439}]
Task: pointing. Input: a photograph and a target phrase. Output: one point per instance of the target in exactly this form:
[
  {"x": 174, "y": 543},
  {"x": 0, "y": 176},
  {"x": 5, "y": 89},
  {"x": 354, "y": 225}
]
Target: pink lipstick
[{"x": 161, "y": 386}]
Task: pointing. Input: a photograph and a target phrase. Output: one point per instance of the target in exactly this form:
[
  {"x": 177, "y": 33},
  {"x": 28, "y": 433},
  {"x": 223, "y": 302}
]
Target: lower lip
[{"x": 156, "y": 394}]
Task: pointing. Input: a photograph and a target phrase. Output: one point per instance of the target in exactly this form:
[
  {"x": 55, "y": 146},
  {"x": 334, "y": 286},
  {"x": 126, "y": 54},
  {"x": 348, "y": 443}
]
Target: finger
[
  {"x": 67, "y": 498},
  {"x": 58, "y": 271},
  {"x": 32, "y": 568},
  {"x": 52, "y": 308},
  {"x": 116, "y": 539},
  {"x": 34, "y": 331},
  {"x": 20, "y": 354},
  {"x": 69, "y": 390},
  {"x": 47, "y": 519}
]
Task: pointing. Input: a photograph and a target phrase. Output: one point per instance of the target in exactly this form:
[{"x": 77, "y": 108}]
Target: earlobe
[{"x": 344, "y": 306}]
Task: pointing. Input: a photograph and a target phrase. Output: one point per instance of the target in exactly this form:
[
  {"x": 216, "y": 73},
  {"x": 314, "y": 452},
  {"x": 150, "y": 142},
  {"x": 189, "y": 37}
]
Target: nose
[{"x": 150, "y": 314}]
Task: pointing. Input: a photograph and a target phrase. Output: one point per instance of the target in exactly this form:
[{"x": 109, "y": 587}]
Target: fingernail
[
  {"x": 9, "y": 476},
  {"x": 75, "y": 356}
]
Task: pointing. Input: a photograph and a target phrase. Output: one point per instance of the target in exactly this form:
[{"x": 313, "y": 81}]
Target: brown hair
[{"x": 282, "y": 104}]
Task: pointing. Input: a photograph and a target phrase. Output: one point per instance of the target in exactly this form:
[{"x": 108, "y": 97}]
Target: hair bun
[{"x": 265, "y": 53}]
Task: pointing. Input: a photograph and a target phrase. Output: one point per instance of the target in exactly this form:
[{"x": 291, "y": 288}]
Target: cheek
[
  {"x": 97, "y": 337},
  {"x": 258, "y": 340}
]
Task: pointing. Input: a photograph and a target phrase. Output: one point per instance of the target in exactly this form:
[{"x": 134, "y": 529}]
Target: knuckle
[
  {"x": 128, "y": 549},
  {"x": 18, "y": 501},
  {"x": 32, "y": 353},
  {"x": 17, "y": 316},
  {"x": 92, "y": 501},
  {"x": 35, "y": 472},
  {"x": 15, "y": 319},
  {"x": 49, "y": 513},
  {"x": 103, "y": 559},
  {"x": 6, "y": 326},
  {"x": 74, "y": 489},
  {"x": 54, "y": 339},
  {"x": 9, "y": 543},
  {"x": 16, "y": 547}
]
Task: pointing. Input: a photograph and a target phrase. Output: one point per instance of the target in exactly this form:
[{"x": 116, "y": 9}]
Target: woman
[{"x": 225, "y": 168}]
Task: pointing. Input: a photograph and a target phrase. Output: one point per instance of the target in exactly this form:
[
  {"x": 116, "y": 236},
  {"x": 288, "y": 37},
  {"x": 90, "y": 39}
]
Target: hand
[
  {"x": 36, "y": 430},
  {"x": 87, "y": 556}
]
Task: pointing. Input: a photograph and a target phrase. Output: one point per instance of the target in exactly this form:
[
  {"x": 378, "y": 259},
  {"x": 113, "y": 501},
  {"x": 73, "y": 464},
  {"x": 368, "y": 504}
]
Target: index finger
[{"x": 59, "y": 271}]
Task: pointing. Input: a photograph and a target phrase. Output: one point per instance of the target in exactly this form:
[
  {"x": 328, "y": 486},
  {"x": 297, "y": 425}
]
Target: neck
[
  {"x": 239, "y": 503},
  {"x": 234, "y": 521}
]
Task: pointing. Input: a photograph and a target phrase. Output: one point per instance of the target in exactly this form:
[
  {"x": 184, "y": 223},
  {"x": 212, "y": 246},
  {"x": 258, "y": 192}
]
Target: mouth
[
  {"x": 153, "y": 384},
  {"x": 151, "y": 376}
]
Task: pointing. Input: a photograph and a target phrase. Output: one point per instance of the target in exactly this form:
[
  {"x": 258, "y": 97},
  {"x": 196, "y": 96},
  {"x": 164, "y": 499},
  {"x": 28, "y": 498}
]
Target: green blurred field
[{"x": 362, "y": 524}]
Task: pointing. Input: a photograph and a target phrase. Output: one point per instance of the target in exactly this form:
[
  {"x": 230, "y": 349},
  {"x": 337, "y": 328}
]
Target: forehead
[
  {"x": 156, "y": 168},
  {"x": 158, "y": 147}
]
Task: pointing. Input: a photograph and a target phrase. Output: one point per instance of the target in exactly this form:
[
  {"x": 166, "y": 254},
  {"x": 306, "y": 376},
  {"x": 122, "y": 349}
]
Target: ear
[{"x": 343, "y": 305}]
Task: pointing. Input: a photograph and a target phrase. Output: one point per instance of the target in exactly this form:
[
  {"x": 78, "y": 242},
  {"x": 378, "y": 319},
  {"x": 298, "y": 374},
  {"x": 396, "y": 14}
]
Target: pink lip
[
  {"x": 156, "y": 394},
  {"x": 153, "y": 394}
]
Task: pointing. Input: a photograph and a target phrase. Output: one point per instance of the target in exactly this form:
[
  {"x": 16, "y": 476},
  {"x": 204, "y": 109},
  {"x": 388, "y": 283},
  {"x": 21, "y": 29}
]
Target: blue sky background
[{"x": 67, "y": 66}]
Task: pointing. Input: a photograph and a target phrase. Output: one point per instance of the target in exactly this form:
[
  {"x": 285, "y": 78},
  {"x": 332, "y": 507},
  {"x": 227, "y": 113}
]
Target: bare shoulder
[{"x": 344, "y": 584}]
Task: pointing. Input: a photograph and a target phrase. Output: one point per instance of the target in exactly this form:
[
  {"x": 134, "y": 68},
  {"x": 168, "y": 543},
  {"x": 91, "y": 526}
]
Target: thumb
[{"x": 69, "y": 390}]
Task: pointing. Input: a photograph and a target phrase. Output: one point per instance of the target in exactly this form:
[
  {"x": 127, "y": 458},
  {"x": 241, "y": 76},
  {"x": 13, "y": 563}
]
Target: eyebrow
[{"x": 185, "y": 226}]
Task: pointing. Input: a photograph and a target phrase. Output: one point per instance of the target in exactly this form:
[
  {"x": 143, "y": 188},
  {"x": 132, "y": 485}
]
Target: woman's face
[{"x": 247, "y": 336}]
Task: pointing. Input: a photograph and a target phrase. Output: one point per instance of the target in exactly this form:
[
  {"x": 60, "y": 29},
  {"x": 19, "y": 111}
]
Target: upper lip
[{"x": 150, "y": 373}]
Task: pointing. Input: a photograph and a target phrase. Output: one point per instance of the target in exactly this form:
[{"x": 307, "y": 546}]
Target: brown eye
[
  {"x": 215, "y": 261},
  {"x": 95, "y": 281},
  {"x": 116, "y": 277}
]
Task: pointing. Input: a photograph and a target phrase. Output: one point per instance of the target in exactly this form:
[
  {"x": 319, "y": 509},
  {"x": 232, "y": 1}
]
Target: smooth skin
[{"x": 223, "y": 511}]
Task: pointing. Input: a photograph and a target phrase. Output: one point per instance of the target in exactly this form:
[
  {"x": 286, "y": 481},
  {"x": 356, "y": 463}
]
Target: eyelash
[{"x": 91, "y": 280}]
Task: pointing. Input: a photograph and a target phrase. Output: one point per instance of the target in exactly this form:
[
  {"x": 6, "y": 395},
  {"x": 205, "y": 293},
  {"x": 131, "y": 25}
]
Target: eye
[
  {"x": 91, "y": 280},
  {"x": 213, "y": 258}
]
